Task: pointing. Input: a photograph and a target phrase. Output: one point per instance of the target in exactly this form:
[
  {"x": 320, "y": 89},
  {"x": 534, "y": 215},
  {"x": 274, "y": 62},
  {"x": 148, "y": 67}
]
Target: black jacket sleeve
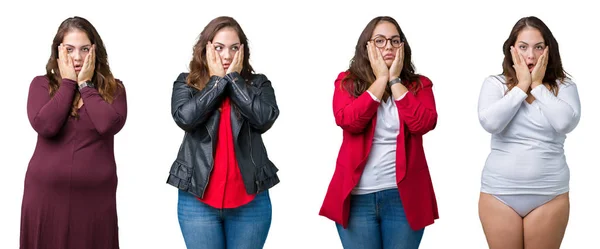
[
  {"x": 191, "y": 108},
  {"x": 255, "y": 100}
]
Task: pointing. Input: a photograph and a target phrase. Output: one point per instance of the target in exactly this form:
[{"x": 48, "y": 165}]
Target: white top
[
  {"x": 380, "y": 170},
  {"x": 527, "y": 154}
]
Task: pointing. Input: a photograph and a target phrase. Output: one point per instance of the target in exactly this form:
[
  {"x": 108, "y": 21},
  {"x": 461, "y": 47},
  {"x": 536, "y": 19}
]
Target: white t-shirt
[
  {"x": 527, "y": 154},
  {"x": 380, "y": 170}
]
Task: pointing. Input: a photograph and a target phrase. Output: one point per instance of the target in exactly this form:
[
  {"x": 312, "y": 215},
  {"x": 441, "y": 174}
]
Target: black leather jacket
[{"x": 254, "y": 110}]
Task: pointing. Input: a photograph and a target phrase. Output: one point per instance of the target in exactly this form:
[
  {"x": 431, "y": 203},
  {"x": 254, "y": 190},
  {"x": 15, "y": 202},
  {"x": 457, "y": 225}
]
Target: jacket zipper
[
  {"x": 242, "y": 93},
  {"x": 212, "y": 164},
  {"x": 251, "y": 156},
  {"x": 211, "y": 139}
]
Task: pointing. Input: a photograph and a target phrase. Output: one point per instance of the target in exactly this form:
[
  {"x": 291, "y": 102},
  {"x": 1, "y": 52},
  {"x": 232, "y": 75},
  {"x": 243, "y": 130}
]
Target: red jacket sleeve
[
  {"x": 417, "y": 111},
  {"x": 352, "y": 114}
]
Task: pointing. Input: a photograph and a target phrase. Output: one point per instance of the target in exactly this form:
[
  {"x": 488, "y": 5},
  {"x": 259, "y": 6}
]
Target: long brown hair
[
  {"x": 198, "y": 76},
  {"x": 554, "y": 69},
  {"x": 102, "y": 78},
  {"x": 361, "y": 74}
]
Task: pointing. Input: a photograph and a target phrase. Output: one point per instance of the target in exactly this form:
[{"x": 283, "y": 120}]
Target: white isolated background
[{"x": 301, "y": 46}]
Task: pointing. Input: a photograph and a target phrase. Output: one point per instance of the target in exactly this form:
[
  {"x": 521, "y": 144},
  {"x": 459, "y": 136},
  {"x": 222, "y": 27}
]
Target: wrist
[
  {"x": 84, "y": 84},
  {"x": 394, "y": 81},
  {"x": 383, "y": 78}
]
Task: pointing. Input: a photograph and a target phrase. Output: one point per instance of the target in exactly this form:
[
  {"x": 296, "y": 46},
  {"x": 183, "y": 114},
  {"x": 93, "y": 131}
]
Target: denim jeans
[
  {"x": 205, "y": 227},
  {"x": 378, "y": 221}
]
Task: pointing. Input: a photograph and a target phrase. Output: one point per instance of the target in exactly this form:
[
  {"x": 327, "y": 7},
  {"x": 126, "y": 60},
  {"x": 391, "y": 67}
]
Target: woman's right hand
[
  {"x": 65, "y": 64},
  {"x": 380, "y": 69},
  {"x": 215, "y": 67},
  {"x": 521, "y": 70}
]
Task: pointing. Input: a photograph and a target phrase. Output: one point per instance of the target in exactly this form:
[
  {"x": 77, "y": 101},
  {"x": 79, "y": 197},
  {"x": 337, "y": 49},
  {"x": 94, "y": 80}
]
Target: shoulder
[
  {"x": 258, "y": 80},
  {"x": 182, "y": 77},
  {"x": 119, "y": 82},
  {"x": 181, "y": 81},
  {"x": 565, "y": 83},
  {"x": 40, "y": 80},
  {"x": 495, "y": 80},
  {"x": 425, "y": 81},
  {"x": 341, "y": 76}
]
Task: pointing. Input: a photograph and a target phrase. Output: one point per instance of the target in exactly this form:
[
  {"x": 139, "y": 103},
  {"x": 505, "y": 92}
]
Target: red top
[
  {"x": 225, "y": 187},
  {"x": 357, "y": 117}
]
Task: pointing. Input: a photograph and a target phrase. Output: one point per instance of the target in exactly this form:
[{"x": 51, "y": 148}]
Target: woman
[
  {"x": 529, "y": 109},
  {"x": 222, "y": 169},
  {"x": 381, "y": 195},
  {"x": 69, "y": 198}
]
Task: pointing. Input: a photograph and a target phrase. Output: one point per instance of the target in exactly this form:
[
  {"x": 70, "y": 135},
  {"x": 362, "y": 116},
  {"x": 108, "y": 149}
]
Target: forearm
[
  {"x": 378, "y": 87},
  {"x": 48, "y": 114},
  {"x": 256, "y": 101},
  {"x": 107, "y": 118},
  {"x": 563, "y": 111},
  {"x": 189, "y": 110}
]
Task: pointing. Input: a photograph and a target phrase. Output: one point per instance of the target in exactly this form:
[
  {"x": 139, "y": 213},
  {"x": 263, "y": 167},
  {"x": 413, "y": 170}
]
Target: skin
[
  {"x": 545, "y": 226},
  {"x": 76, "y": 58},
  {"x": 225, "y": 53},
  {"x": 386, "y": 62},
  {"x": 542, "y": 228},
  {"x": 530, "y": 55}
]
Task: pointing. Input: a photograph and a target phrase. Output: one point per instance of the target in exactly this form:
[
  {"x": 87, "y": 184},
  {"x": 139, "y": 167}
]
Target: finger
[
  {"x": 402, "y": 53},
  {"x": 61, "y": 53},
  {"x": 236, "y": 58},
  {"x": 209, "y": 55},
  {"x": 217, "y": 57},
  {"x": 521, "y": 59},
  {"x": 513, "y": 55},
  {"x": 546, "y": 56},
  {"x": 540, "y": 60},
  {"x": 69, "y": 61},
  {"x": 93, "y": 57},
  {"x": 369, "y": 53},
  {"x": 241, "y": 57}
]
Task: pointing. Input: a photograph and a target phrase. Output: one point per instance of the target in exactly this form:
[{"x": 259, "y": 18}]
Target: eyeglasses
[{"x": 381, "y": 41}]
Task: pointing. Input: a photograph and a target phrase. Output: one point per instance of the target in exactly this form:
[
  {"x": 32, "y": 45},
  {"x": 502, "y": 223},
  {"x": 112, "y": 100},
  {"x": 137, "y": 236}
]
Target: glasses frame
[{"x": 386, "y": 41}]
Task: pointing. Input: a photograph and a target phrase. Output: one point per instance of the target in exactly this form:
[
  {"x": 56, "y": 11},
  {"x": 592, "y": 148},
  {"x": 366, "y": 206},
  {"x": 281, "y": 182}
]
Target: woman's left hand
[
  {"x": 89, "y": 64},
  {"x": 398, "y": 64},
  {"x": 238, "y": 61},
  {"x": 537, "y": 75}
]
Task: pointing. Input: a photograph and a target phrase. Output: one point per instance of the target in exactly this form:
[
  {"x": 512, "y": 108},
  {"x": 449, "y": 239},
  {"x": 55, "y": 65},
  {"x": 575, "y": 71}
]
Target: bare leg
[
  {"x": 502, "y": 226},
  {"x": 545, "y": 226}
]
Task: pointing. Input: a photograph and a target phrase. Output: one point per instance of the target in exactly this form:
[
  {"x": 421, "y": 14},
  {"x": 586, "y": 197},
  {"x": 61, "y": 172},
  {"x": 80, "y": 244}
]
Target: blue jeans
[
  {"x": 205, "y": 227},
  {"x": 377, "y": 221}
]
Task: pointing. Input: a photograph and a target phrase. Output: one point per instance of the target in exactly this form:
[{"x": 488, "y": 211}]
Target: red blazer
[{"x": 357, "y": 117}]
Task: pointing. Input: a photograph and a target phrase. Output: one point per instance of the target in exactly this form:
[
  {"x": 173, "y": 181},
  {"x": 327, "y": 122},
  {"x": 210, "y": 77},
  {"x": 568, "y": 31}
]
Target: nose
[
  {"x": 227, "y": 54},
  {"x": 77, "y": 55},
  {"x": 388, "y": 45},
  {"x": 529, "y": 54}
]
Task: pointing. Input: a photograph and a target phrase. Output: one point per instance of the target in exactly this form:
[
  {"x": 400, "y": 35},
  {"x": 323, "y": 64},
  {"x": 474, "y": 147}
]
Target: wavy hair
[
  {"x": 199, "y": 74},
  {"x": 554, "y": 69},
  {"x": 361, "y": 74},
  {"x": 102, "y": 78}
]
